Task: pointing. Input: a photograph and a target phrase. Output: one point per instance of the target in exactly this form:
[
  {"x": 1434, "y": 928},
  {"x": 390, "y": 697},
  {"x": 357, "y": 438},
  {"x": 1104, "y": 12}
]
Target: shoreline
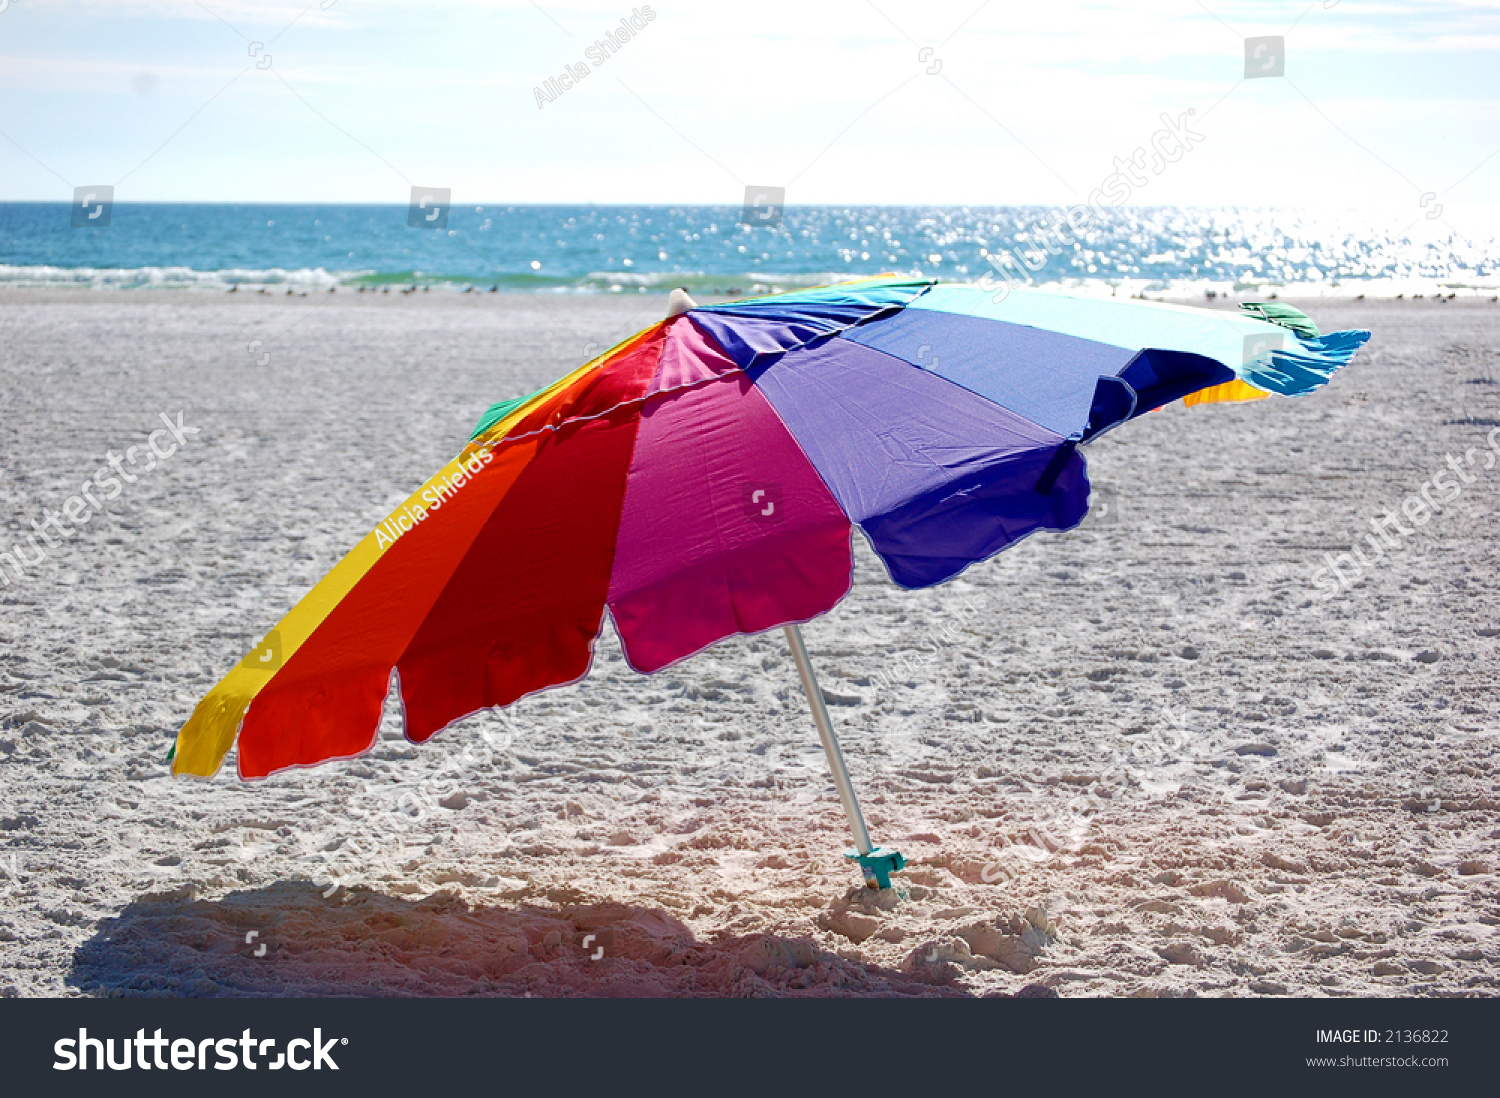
[{"x": 15, "y": 295}]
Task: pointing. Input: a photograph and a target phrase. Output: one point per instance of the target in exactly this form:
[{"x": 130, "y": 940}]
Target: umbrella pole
[
  {"x": 830, "y": 741},
  {"x": 877, "y": 862}
]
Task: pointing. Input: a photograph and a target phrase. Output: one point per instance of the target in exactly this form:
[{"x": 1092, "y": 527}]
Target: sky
[{"x": 1385, "y": 105}]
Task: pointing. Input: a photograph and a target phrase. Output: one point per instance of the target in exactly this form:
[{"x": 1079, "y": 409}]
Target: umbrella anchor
[{"x": 877, "y": 863}]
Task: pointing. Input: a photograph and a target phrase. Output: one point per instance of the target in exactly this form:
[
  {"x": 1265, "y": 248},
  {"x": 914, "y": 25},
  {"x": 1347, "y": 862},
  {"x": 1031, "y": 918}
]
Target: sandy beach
[{"x": 1153, "y": 756}]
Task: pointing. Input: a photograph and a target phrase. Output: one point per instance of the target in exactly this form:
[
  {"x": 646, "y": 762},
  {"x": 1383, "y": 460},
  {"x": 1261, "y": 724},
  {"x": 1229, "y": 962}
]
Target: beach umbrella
[{"x": 702, "y": 479}]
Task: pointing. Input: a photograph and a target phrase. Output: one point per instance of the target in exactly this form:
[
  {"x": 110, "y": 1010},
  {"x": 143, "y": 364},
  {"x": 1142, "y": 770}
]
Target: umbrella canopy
[{"x": 701, "y": 480}]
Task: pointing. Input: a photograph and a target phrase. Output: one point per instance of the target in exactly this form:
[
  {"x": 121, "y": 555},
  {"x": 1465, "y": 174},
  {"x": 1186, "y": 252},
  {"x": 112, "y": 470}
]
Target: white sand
[{"x": 687, "y": 820}]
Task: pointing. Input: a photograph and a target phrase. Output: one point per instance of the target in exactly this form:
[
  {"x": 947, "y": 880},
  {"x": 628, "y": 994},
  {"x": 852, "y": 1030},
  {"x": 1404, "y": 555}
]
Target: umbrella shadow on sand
[{"x": 288, "y": 939}]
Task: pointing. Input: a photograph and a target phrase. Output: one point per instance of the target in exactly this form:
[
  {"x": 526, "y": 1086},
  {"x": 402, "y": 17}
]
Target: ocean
[{"x": 639, "y": 249}]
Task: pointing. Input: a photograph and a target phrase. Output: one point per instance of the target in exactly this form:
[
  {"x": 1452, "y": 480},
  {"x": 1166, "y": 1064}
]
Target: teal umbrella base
[{"x": 878, "y": 865}]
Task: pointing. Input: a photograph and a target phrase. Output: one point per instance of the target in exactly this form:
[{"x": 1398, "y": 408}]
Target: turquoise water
[{"x": 630, "y": 249}]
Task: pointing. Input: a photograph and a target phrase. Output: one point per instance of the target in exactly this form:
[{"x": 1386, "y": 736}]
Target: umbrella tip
[{"x": 678, "y": 302}]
